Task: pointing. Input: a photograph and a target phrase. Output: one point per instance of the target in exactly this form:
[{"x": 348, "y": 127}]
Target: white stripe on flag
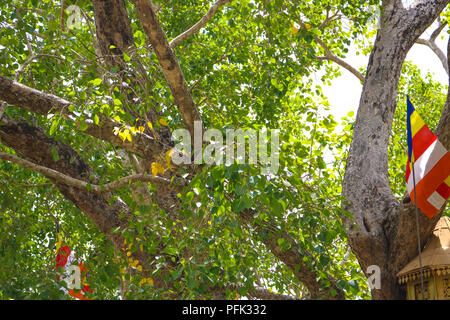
[
  {"x": 425, "y": 163},
  {"x": 436, "y": 200}
]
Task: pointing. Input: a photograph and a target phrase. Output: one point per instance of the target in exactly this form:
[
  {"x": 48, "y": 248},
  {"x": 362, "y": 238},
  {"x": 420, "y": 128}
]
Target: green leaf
[
  {"x": 83, "y": 125},
  {"x": 96, "y": 82},
  {"x": 55, "y": 154},
  {"x": 241, "y": 204},
  {"x": 54, "y": 127}
]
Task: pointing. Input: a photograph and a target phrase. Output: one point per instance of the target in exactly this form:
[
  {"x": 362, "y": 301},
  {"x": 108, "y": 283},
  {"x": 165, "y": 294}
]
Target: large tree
[{"x": 93, "y": 92}]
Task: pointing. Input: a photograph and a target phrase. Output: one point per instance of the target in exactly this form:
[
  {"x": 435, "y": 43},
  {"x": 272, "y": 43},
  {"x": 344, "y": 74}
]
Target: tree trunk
[{"x": 383, "y": 232}]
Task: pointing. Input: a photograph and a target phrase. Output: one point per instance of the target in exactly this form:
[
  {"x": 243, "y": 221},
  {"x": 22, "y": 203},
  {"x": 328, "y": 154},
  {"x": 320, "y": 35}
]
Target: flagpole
[{"x": 418, "y": 231}]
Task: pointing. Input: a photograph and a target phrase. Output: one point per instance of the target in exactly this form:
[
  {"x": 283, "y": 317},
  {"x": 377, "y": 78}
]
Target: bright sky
[{"x": 345, "y": 92}]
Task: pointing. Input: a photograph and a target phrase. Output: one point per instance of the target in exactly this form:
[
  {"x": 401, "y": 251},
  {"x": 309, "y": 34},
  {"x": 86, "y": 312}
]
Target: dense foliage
[{"x": 251, "y": 67}]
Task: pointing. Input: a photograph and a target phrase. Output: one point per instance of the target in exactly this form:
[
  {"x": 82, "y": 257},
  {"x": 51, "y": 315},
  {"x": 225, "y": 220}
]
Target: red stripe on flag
[
  {"x": 444, "y": 190},
  {"x": 422, "y": 140},
  {"x": 430, "y": 183}
]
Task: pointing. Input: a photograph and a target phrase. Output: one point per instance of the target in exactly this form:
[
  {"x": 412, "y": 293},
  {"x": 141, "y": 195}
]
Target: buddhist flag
[
  {"x": 431, "y": 166},
  {"x": 74, "y": 273}
]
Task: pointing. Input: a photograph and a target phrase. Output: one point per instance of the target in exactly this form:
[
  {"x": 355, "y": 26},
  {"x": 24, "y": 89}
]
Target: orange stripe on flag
[{"x": 429, "y": 184}]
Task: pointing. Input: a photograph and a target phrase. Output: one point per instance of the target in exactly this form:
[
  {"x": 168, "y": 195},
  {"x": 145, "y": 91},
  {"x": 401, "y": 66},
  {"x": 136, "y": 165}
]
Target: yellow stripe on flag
[
  {"x": 58, "y": 242},
  {"x": 447, "y": 181},
  {"x": 416, "y": 123}
]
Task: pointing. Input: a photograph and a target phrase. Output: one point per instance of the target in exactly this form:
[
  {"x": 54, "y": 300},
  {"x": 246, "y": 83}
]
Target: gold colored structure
[{"x": 436, "y": 267}]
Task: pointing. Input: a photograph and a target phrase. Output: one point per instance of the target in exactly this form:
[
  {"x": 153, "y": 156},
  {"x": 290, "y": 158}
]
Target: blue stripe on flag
[{"x": 410, "y": 111}]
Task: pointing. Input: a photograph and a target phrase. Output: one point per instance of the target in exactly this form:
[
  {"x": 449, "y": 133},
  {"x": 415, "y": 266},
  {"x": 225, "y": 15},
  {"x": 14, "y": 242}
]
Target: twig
[
  {"x": 200, "y": 24},
  {"x": 33, "y": 57},
  {"x": 80, "y": 184},
  {"x": 330, "y": 56},
  {"x": 431, "y": 43}
]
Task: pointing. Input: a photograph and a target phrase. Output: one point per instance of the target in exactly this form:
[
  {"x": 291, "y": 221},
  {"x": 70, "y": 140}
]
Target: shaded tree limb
[
  {"x": 31, "y": 143},
  {"x": 293, "y": 258},
  {"x": 43, "y": 103}
]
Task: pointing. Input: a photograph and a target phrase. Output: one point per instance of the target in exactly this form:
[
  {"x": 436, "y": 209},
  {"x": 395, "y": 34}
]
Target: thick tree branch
[
  {"x": 32, "y": 144},
  {"x": 42, "y": 103},
  {"x": 200, "y": 24},
  {"x": 169, "y": 63},
  {"x": 294, "y": 260},
  {"x": 113, "y": 30}
]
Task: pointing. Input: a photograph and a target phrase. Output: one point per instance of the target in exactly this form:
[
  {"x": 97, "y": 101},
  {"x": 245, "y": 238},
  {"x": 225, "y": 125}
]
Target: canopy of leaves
[{"x": 250, "y": 67}]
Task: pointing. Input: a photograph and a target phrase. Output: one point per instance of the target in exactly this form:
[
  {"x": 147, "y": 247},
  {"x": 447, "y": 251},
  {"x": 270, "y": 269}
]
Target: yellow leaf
[
  {"x": 157, "y": 168},
  {"x": 169, "y": 158},
  {"x": 163, "y": 122},
  {"x": 135, "y": 263},
  {"x": 141, "y": 247},
  {"x": 307, "y": 26},
  {"x": 139, "y": 268},
  {"x": 117, "y": 118},
  {"x": 141, "y": 129},
  {"x": 150, "y": 281},
  {"x": 128, "y": 253},
  {"x": 142, "y": 282},
  {"x": 125, "y": 135},
  {"x": 133, "y": 129},
  {"x": 149, "y": 124},
  {"x": 294, "y": 30}
]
